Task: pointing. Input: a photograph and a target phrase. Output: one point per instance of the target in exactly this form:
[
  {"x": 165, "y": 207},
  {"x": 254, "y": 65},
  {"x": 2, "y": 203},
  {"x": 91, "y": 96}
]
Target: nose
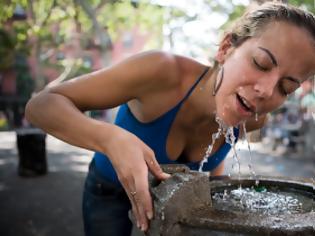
[{"x": 264, "y": 87}]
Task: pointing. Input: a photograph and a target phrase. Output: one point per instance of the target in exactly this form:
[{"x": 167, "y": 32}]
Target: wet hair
[{"x": 256, "y": 18}]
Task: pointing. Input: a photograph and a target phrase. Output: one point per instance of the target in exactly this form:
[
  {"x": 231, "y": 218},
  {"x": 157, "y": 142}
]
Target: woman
[{"x": 168, "y": 108}]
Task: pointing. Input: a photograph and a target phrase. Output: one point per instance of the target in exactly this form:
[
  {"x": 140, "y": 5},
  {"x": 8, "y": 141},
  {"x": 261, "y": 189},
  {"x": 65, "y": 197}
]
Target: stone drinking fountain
[{"x": 191, "y": 203}]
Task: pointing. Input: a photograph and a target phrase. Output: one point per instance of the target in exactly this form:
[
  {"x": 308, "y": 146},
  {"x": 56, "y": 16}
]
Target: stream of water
[
  {"x": 257, "y": 198},
  {"x": 228, "y": 132}
]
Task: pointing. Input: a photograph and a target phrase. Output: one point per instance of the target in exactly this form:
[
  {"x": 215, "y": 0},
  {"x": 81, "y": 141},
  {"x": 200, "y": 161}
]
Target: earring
[{"x": 217, "y": 84}]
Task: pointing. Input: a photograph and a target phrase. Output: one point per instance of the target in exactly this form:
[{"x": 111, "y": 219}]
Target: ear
[{"x": 224, "y": 47}]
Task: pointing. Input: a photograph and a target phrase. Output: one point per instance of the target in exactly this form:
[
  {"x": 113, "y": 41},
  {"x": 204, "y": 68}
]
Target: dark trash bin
[{"x": 31, "y": 144}]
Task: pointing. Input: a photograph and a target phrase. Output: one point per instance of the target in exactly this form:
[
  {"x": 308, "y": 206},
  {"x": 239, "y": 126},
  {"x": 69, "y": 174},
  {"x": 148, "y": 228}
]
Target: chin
[
  {"x": 230, "y": 116},
  {"x": 229, "y": 119}
]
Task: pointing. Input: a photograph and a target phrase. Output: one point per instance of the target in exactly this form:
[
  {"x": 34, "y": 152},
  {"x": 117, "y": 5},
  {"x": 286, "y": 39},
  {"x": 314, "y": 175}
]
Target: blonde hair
[{"x": 256, "y": 18}]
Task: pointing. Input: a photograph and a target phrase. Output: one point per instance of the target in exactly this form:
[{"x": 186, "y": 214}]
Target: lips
[{"x": 245, "y": 104}]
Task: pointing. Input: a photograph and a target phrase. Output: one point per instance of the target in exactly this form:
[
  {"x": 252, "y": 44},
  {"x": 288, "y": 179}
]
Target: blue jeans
[{"x": 105, "y": 207}]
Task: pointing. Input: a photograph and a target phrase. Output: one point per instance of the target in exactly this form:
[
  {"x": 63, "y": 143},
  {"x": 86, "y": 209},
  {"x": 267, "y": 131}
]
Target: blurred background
[{"x": 49, "y": 41}]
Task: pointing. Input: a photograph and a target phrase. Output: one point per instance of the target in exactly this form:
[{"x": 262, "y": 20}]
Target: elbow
[
  {"x": 34, "y": 107},
  {"x": 30, "y": 109}
]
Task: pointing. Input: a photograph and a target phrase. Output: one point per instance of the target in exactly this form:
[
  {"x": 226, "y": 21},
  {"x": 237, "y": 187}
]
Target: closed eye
[
  {"x": 288, "y": 85},
  {"x": 283, "y": 90},
  {"x": 260, "y": 67}
]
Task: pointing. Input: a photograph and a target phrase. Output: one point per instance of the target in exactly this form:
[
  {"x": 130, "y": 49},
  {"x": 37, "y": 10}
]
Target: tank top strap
[{"x": 194, "y": 85}]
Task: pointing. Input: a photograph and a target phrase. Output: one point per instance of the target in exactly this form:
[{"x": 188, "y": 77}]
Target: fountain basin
[
  {"x": 185, "y": 205},
  {"x": 216, "y": 220}
]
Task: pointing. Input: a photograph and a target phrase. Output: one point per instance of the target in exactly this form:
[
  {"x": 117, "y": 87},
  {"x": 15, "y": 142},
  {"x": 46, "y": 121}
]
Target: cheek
[
  {"x": 238, "y": 72},
  {"x": 225, "y": 109}
]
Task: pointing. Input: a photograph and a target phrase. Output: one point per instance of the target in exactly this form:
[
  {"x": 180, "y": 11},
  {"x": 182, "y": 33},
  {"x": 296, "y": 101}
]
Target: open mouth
[{"x": 245, "y": 104}]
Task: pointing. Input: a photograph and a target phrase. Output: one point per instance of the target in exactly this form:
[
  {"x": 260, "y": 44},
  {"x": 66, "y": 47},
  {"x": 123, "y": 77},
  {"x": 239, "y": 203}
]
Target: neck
[
  {"x": 203, "y": 105},
  {"x": 209, "y": 101}
]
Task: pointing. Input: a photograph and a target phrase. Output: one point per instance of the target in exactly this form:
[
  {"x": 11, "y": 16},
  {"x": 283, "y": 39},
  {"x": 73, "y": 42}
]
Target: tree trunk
[
  {"x": 101, "y": 32},
  {"x": 38, "y": 74}
]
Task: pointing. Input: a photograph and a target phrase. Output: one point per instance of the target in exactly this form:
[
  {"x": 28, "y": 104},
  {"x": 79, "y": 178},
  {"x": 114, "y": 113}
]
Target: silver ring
[{"x": 132, "y": 193}]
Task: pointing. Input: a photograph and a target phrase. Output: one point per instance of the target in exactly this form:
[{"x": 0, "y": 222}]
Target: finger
[
  {"x": 155, "y": 168},
  {"x": 144, "y": 200},
  {"x": 130, "y": 190},
  {"x": 148, "y": 204},
  {"x": 141, "y": 212},
  {"x": 134, "y": 209}
]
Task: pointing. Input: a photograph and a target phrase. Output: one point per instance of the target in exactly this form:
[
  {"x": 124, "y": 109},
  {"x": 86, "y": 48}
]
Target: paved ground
[
  {"x": 47, "y": 205},
  {"x": 50, "y": 205}
]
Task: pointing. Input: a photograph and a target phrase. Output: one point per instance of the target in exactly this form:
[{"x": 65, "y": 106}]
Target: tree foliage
[
  {"x": 52, "y": 24},
  {"x": 308, "y": 4}
]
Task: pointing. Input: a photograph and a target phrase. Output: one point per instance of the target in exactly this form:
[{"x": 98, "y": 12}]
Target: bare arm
[
  {"x": 58, "y": 115},
  {"x": 59, "y": 111}
]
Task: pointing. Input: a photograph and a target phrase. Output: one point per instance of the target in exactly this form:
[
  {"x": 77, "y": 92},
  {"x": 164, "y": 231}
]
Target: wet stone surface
[
  {"x": 278, "y": 206},
  {"x": 262, "y": 201},
  {"x": 253, "y": 219}
]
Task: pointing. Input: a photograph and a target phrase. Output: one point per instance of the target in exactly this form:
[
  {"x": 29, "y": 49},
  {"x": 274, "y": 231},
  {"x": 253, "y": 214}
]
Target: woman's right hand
[{"x": 132, "y": 159}]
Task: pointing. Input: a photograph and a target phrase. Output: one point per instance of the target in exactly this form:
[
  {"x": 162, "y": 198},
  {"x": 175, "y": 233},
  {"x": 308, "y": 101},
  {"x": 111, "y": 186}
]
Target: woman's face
[{"x": 259, "y": 74}]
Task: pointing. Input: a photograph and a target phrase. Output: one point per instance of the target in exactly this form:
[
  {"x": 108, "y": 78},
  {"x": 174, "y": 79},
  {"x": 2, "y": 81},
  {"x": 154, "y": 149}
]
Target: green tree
[
  {"x": 308, "y": 4},
  {"x": 51, "y": 24}
]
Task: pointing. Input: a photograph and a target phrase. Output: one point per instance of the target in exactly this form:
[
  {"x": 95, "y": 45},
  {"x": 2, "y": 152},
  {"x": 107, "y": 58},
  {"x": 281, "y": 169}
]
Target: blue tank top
[{"x": 155, "y": 134}]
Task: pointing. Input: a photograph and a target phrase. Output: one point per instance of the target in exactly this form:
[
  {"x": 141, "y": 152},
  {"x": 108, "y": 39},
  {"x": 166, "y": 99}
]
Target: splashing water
[
  {"x": 215, "y": 136},
  {"x": 230, "y": 139},
  {"x": 264, "y": 202},
  {"x": 250, "y": 166},
  {"x": 228, "y": 132}
]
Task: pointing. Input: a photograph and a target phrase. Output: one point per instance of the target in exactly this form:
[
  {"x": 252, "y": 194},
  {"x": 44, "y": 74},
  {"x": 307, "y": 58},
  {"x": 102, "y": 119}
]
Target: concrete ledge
[{"x": 176, "y": 198}]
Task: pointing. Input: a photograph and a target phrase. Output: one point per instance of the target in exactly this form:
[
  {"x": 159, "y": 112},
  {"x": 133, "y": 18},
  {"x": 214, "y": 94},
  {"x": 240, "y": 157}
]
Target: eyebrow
[
  {"x": 274, "y": 61},
  {"x": 272, "y": 57}
]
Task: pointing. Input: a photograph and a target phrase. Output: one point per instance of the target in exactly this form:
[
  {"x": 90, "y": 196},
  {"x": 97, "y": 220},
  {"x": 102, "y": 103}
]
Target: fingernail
[
  {"x": 142, "y": 227},
  {"x": 166, "y": 175},
  {"x": 138, "y": 225},
  {"x": 149, "y": 215}
]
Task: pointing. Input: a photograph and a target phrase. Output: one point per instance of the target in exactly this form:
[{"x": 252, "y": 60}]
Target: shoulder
[
  {"x": 137, "y": 77},
  {"x": 161, "y": 70},
  {"x": 164, "y": 64}
]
